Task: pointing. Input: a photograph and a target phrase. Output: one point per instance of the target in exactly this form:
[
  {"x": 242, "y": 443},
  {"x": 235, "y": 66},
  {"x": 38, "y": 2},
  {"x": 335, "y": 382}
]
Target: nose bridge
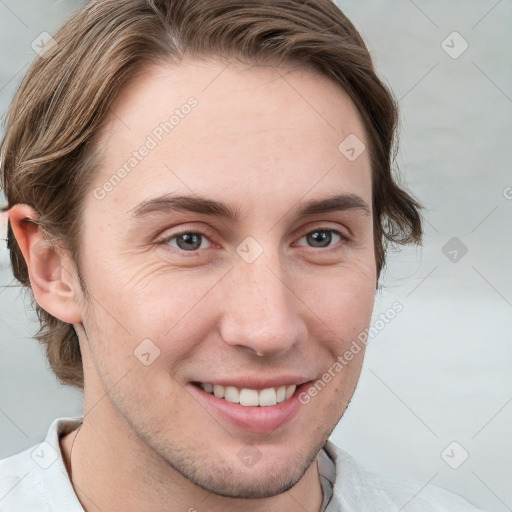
[{"x": 261, "y": 311}]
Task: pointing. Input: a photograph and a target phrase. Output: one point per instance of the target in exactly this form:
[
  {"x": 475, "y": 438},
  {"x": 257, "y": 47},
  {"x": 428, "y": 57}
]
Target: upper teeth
[{"x": 251, "y": 397}]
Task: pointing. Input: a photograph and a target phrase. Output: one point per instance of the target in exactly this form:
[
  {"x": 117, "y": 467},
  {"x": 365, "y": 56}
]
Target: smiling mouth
[{"x": 250, "y": 397}]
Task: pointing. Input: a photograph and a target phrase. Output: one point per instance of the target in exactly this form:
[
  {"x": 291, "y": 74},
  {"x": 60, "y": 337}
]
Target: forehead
[{"x": 207, "y": 126}]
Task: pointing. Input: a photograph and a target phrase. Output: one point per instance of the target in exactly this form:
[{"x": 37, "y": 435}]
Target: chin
[
  {"x": 232, "y": 479},
  {"x": 251, "y": 483}
]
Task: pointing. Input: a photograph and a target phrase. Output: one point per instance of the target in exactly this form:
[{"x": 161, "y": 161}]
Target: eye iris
[
  {"x": 189, "y": 241},
  {"x": 319, "y": 237}
]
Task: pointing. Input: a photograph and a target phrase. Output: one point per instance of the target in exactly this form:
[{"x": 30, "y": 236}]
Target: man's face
[{"x": 181, "y": 298}]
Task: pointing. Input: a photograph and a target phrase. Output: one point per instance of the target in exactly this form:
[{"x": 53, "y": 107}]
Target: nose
[{"x": 261, "y": 311}]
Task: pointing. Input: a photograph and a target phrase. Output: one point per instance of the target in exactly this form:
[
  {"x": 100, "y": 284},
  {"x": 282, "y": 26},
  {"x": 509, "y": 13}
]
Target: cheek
[
  {"x": 345, "y": 309},
  {"x": 150, "y": 315},
  {"x": 344, "y": 301},
  {"x": 146, "y": 297}
]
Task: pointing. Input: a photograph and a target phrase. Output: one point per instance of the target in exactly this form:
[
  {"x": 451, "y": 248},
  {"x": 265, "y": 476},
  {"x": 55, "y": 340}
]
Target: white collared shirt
[{"x": 36, "y": 480}]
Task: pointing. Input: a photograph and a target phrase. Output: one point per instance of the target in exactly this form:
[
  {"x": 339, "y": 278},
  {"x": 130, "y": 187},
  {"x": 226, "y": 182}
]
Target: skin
[{"x": 265, "y": 147}]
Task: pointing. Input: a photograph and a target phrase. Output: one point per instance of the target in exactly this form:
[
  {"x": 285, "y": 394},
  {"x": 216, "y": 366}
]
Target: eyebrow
[{"x": 197, "y": 204}]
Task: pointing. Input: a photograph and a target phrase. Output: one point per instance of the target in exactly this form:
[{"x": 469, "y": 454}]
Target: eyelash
[{"x": 164, "y": 241}]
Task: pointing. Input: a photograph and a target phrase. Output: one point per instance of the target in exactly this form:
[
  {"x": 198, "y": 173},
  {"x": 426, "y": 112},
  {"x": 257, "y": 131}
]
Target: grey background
[{"x": 441, "y": 370}]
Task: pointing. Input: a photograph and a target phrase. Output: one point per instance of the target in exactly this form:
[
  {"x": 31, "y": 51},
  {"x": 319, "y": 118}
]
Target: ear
[{"x": 53, "y": 275}]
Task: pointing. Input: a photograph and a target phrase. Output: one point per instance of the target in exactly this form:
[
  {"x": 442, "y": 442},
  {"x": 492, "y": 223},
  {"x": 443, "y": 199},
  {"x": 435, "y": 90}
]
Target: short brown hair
[{"x": 46, "y": 155}]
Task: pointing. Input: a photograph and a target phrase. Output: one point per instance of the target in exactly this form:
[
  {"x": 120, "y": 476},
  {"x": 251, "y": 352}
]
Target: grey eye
[
  {"x": 322, "y": 237},
  {"x": 188, "y": 241}
]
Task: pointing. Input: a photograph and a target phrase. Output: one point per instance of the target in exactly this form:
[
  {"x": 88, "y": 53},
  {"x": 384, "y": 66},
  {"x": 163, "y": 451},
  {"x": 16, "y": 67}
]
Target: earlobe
[{"x": 52, "y": 277}]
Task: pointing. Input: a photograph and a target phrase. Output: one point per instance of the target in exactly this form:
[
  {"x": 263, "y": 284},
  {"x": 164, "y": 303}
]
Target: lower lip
[{"x": 258, "y": 419}]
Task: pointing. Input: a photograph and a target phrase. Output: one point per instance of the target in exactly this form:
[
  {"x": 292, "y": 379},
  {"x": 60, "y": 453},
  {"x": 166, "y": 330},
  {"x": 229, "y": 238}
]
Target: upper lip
[{"x": 257, "y": 383}]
